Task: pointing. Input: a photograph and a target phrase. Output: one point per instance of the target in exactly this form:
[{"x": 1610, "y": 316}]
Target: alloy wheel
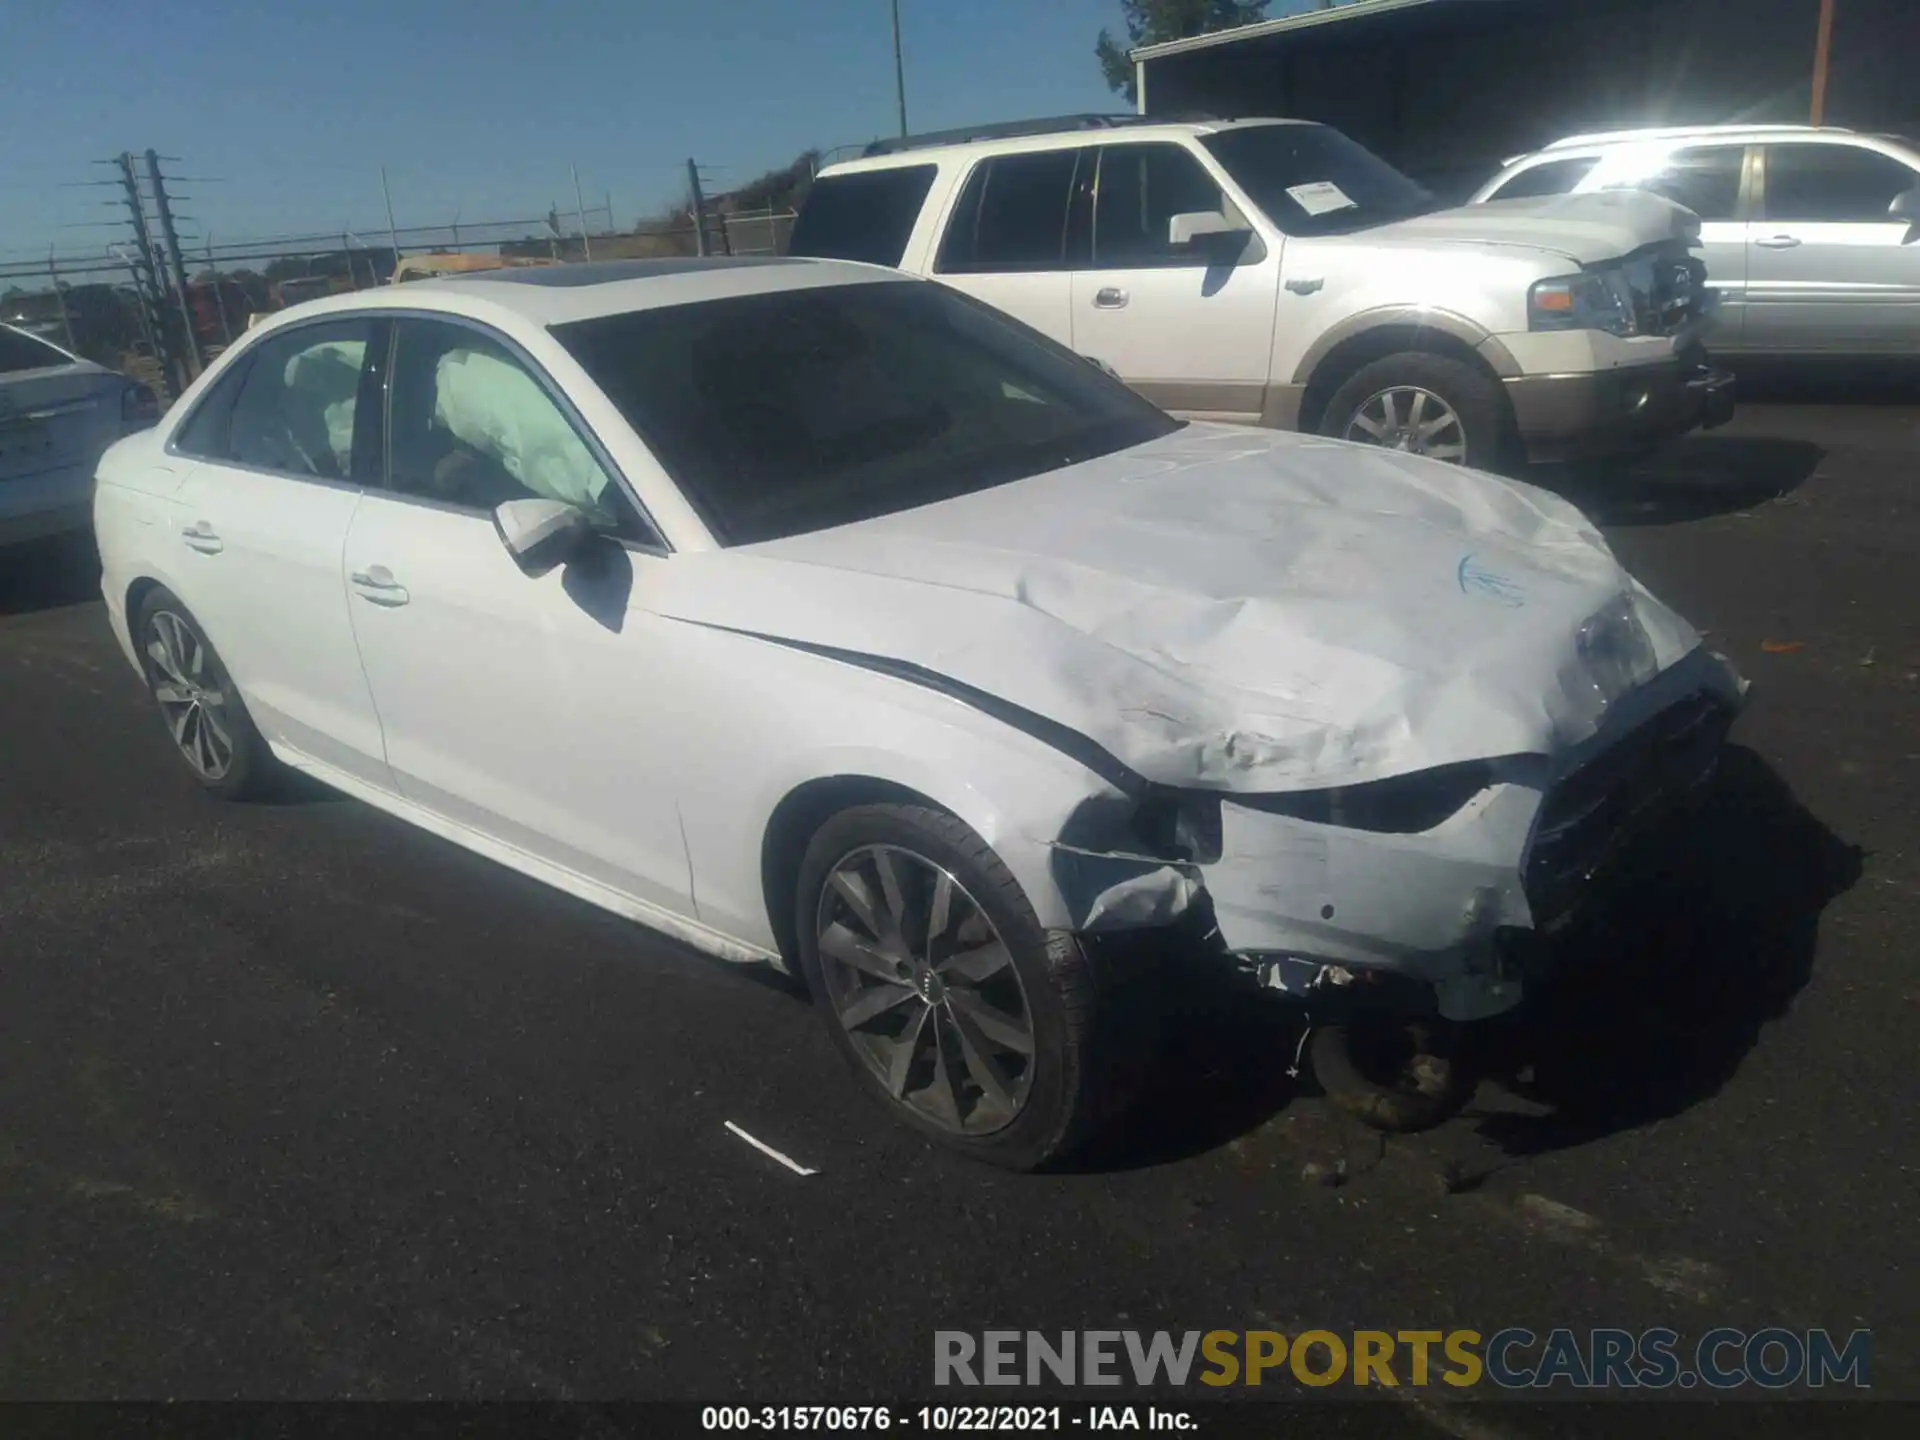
[
  {"x": 191, "y": 696},
  {"x": 1410, "y": 419},
  {"x": 926, "y": 990}
]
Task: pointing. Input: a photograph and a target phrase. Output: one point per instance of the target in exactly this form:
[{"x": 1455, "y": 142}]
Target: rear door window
[
  {"x": 1013, "y": 214},
  {"x": 1833, "y": 183},
  {"x": 868, "y": 215},
  {"x": 290, "y": 408}
]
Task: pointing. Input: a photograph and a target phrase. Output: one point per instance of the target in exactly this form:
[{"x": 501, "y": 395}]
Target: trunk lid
[{"x": 55, "y": 417}]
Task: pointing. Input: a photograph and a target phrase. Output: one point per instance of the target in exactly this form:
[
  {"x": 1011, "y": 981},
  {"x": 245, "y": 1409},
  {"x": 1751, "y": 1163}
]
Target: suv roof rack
[
  {"x": 1680, "y": 132},
  {"x": 1013, "y": 129}
]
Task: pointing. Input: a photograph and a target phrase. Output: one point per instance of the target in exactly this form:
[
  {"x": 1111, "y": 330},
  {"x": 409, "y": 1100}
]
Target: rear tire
[
  {"x": 1425, "y": 404},
  {"x": 956, "y": 1010},
  {"x": 205, "y": 718}
]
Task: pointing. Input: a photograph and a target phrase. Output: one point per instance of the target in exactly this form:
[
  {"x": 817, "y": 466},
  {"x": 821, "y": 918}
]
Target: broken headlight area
[
  {"x": 1615, "y": 650},
  {"x": 1402, "y": 805}
]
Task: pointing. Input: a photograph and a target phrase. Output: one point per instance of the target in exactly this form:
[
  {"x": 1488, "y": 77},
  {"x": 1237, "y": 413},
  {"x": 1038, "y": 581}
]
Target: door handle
[
  {"x": 1779, "y": 242},
  {"x": 377, "y": 585},
  {"x": 1110, "y": 297},
  {"x": 199, "y": 536}
]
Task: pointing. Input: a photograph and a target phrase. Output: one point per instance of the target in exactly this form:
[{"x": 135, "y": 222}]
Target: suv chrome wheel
[
  {"x": 190, "y": 694},
  {"x": 924, "y": 988},
  {"x": 1410, "y": 419}
]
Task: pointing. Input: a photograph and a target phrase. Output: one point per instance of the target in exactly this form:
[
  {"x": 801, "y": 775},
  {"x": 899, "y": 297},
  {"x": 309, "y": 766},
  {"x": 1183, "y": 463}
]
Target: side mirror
[
  {"x": 540, "y": 534},
  {"x": 1186, "y": 228},
  {"x": 1100, "y": 364},
  {"x": 1906, "y": 206}
]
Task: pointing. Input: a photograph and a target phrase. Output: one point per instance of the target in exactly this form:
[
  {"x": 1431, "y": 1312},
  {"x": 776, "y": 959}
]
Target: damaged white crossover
[{"x": 819, "y": 616}]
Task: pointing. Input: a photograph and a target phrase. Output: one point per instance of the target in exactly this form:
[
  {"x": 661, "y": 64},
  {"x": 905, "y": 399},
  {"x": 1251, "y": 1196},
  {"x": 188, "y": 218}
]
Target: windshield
[
  {"x": 797, "y": 410},
  {"x": 1314, "y": 181}
]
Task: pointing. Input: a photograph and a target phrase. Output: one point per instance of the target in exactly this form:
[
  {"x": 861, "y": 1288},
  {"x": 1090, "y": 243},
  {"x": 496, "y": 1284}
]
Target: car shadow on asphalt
[
  {"x": 1651, "y": 1010},
  {"x": 49, "y": 574},
  {"x": 1699, "y": 477},
  {"x": 1802, "y": 380},
  {"x": 1221, "y": 1071},
  {"x": 1654, "y": 1005}
]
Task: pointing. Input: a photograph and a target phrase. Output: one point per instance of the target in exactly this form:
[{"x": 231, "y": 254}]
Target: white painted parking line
[{"x": 766, "y": 1149}]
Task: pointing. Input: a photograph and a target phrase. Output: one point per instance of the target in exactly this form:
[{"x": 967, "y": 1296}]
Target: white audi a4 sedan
[{"x": 823, "y": 617}]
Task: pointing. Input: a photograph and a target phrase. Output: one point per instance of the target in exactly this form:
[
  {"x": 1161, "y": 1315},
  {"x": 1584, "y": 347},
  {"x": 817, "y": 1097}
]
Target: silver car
[
  {"x": 1812, "y": 236},
  {"x": 58, "y": 414}
]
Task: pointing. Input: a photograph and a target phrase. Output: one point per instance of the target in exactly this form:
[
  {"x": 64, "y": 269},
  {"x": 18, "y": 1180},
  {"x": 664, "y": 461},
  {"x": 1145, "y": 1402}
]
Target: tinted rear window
[
  {"x": 868, "y": 215},
  {"x": 21, "y": 351},
  {"x": 1013, "y": 214}
]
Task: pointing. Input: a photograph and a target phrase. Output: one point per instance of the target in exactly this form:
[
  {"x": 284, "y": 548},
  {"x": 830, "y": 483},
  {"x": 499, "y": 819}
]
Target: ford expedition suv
[{"x": 1275, "y": 272}]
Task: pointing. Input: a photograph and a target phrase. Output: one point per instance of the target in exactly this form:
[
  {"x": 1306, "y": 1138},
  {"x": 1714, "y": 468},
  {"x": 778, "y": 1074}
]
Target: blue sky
[{"x": 477, "y": 107}]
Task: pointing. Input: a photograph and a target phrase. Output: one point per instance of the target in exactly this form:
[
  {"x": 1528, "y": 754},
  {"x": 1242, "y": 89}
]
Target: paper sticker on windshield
[{"x": 1320, "y": 198}]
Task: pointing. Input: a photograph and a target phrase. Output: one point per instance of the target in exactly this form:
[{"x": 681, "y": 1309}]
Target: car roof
[
  {"x": 1605, "y": 138},
  {"x": 1063, "y": 139},
  {"x": 560, "y": 294}
]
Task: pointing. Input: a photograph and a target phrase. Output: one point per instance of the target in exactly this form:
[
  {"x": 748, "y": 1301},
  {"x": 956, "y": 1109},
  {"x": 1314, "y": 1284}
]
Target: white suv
[
  {"x": 1809, "y": 233},
  {"x": 1275, "y": 272}
]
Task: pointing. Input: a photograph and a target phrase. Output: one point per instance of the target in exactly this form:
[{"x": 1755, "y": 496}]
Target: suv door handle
[
  {"x": 1110, "y": 297},
  {"x": 1779, "y": 242},
  {"x": 377, "y": 585},
  {"x": 199, "y": 536}
]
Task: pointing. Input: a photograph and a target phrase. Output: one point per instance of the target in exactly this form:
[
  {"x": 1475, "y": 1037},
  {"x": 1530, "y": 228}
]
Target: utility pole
[
  {"x": 146, "y": 282},
  {"x": 699, "y": 210},
  {"x": 900, "y": 70},
  {"x": 580, "y": 209},
  {"x": 393, "y": 235},
  {"x": 165, "y": 211},
  {"x": 1822, "y": 50},
  {"x": 219, "y": 298},
  {"x": 60, "y": 299}
]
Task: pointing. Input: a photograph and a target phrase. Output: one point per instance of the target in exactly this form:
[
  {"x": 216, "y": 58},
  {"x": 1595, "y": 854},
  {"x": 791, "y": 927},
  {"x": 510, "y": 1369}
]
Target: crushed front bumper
[
  {"x": 1455, "y": 919},
  {"x": 1621, "y": 411}
]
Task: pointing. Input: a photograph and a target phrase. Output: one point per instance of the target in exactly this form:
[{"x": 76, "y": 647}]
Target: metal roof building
[{"x": 1447, "y": 89}]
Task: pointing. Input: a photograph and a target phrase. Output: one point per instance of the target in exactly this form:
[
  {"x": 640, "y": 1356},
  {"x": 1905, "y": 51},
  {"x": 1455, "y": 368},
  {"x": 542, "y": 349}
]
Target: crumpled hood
[
  {"x": 1587, "y": 229},
  {"x": 1230, "y": 608}
]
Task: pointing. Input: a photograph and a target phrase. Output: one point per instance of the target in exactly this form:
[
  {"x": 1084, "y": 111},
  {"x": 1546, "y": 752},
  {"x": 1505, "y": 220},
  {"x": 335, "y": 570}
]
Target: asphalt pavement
[{"x": 298, "y": 1102}]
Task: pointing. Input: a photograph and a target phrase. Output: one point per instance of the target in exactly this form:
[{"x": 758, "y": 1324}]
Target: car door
[
  {"x": 1712, "y": 181},
  {"x": 1829, "y": 269},
  {"x": 1007, "y": 239},
  {"x": 1189, "y": 326},
  {"x": 517, "y": 706},
  {"x": 276, "y": 452}
]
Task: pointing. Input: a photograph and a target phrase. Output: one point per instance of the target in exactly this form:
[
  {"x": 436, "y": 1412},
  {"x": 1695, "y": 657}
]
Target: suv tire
[{"x": 1391, "y": 403}]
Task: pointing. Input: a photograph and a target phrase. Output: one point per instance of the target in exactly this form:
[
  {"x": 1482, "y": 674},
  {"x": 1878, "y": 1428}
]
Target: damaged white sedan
[{"x": 824, "y": 617}]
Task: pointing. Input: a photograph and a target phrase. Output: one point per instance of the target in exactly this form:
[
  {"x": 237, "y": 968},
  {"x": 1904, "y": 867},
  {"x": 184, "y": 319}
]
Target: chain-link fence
[{"x": 92, "y": 303}]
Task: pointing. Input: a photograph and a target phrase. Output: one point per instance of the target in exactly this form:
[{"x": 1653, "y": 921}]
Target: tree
[{"x": 1149, "y": 22}]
